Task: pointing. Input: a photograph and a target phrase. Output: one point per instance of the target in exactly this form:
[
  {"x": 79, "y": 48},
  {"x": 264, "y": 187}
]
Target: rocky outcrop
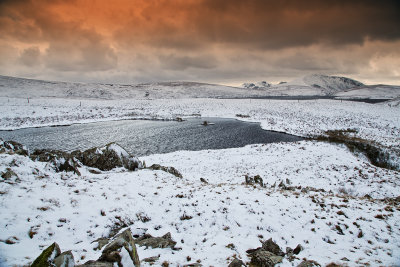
[
  {"x": 107, "y": 158},
  {"x": 59, "y": 160},
  {"x": 13, "y": 147},
  {"x": 104, "y": 158}
]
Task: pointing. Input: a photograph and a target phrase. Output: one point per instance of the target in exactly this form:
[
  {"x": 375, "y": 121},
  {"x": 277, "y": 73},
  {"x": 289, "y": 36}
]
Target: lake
[{"x": 146, "y": 137}]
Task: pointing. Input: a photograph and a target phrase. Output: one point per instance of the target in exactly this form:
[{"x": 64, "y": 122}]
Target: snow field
[{"x": 211, "y": 222}]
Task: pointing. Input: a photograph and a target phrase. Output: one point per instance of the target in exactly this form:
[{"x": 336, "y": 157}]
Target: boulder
[
  {"x": 65, "y": 259},
  {"x": 156, "y": 242},
  {"x": 271, "y": 246},
  {"x": 107, "y": 158},
  {"x": 124, "y": 240},
  {"x": 47, "y": 257},
  {"x": 262, "y": 258}
]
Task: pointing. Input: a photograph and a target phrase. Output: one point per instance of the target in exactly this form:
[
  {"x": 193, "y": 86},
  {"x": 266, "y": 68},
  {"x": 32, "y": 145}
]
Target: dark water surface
[{"x": 143, "y": 137}]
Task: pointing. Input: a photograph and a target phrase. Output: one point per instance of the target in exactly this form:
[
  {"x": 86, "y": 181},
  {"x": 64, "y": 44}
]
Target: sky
[{"x": 215, "y": 41}]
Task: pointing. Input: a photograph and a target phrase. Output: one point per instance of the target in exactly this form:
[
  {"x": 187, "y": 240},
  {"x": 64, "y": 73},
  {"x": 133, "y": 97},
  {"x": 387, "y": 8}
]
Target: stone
[
  {"x": 262, "y": 258},
  {"x": 65, "y": 259},
  {"x": 101, "y": 242},
  {"x": 47, "y": 257},
  {"x": 157, "y": 242},
  {"x": 123, "y": 240},
  {"x": 236, "y": 263},
  {"x": 271, "y": 246},
  {"x": 309, "y": 263},
  {"x": 170, "y": 170},
  {"x": 151, "y": 259},
  {"x": 298, "y": 249},
  {"x": 9, "y": 174},
  {"x": 107, "y": 158}
]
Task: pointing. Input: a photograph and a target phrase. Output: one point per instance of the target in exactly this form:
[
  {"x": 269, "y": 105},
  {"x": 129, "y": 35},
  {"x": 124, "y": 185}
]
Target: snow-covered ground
[
  {"x": 76, "y": 210},
  {"x": 380, "y": 123},
  {"x": 315, "y": 193}
]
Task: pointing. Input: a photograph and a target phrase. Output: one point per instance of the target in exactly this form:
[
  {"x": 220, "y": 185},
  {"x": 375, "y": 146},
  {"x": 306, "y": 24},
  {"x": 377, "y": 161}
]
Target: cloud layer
[{"x": 203, "y": 40}]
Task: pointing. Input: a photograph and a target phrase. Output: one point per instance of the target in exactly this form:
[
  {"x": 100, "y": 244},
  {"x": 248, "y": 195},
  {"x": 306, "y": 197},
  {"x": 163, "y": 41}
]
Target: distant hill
[{"x": 310, "y": 85}]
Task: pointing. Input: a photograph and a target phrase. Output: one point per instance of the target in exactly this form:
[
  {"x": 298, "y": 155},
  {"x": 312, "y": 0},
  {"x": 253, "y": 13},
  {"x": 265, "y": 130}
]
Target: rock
[
  {"x": 123, "y": 240},
  {"x": 170, "y": 170},
  {"x": 254, "y": 180},
  {"x": 156, "y": 242},
  {"x": 289, "y": 252},
  {"x": 298, "y": 249},
  {"x": 47, "y": 257},
  {"x": 107, "y": 158},
  {"x": 65, "y": 259},
  {"x": 236, "y": 263},
  {"x": 9, "y": 174},
  {"x": 308, "y": 263},
  {"x": 262, "y": 258},
  {"x": 203, "y": 180},
  {"x": 101, "y": 242},
  {"x": 152, "y": 259},
  {"x": 59, "y": 160},
  {"x": 271, "y": 246},
  {"x": 195, "y": 264},
  {"x": 13, "y": 147}
]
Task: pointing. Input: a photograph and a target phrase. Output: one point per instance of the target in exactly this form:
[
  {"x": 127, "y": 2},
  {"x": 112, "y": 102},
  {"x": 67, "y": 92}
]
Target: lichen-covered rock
[
  {"x": 65, "y": 259},
  {"x": 46, "y": 259},
  {"x": 156, "y": 242},
  {"x": 271, "y": 246},
  {"x": 170, "y": 170},
  {"x": 59, "y": 160},
  {"x": 107, "y": 158},
  {"x": 262, "y": 258},
  {"x": 13, "y": 147},
  {"x": 124, "y": 240}
]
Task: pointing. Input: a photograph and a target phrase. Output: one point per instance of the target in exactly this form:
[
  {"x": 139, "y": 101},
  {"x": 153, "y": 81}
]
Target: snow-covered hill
[
  {"x": 310, "y": 85},
  {"x": 20, "y": 87}
]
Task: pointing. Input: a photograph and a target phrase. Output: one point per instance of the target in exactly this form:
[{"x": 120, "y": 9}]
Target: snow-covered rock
[{"x": 107, "y": 158}]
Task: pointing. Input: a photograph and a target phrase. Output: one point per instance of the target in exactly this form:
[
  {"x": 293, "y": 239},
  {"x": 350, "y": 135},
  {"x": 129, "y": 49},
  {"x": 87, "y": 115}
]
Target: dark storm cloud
[{"x": 199, "y": 39}]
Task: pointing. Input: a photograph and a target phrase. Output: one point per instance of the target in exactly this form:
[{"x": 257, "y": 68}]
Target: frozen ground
[{"x": 223, "y": 217}]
